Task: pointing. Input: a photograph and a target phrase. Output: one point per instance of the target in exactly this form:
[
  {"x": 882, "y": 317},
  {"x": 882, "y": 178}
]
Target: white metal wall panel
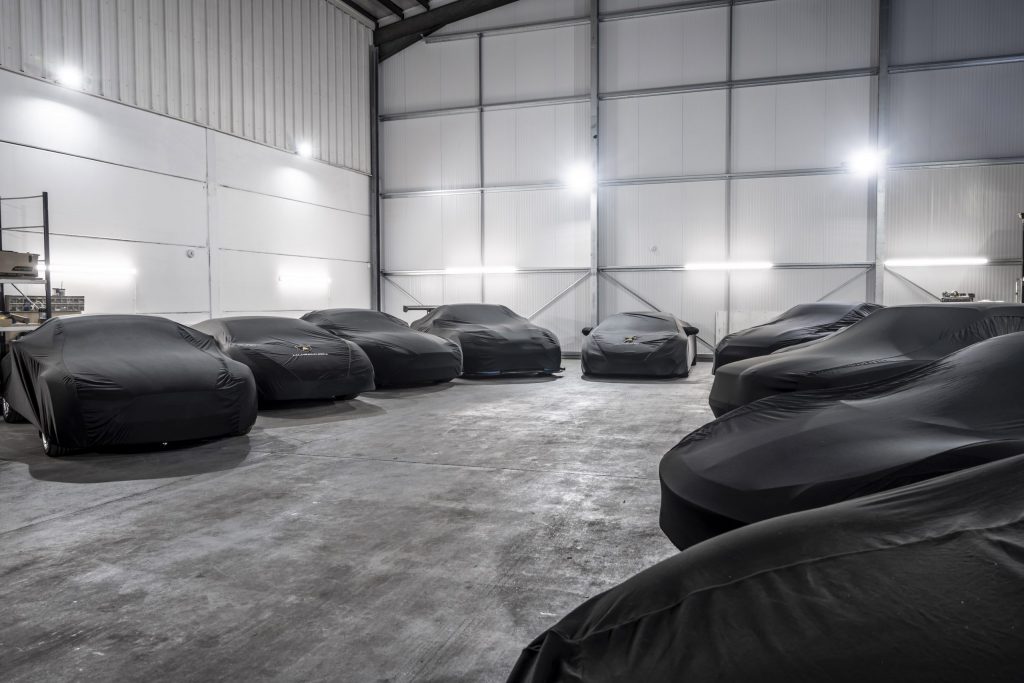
[
  {"x": 993, "y": 283},
  {"x": 537, "y": 229},
  {"x": 665, "y": 50},
  {"x": 768, "y": 291},
  {"x": 938, "y": 30},
  {"x": 666, "y": 224},
  {"x": 956, "y": 114},
  {"x": 785, "y": 37},
  {"x": 535, "y": 144},
  {"x": 816, "y": 124},
  {"x": 664, "y": 136},
  {"x": 950, "y": 212},
  {"x": 275, "y": 72},
  {"x": 94, "y": 199},
  {"x": 273, "y": 283},
  {"x": 691, "y": 296},
  {"x": 428, "y": 290},
  {"x": 430, "y": 76},
  {"x": 256, "y": 222},
  {"x": 437, "y": 152},
  {"x": 627, "y": 5},
  {"x": 432, "y": 233},
  {"x": 803, "y": 219},
  {"x": 527, "y": 293},
  {"x": 41, "y": 115},
  {"x": 521, "y": 12},
  {"x": 536, "y": 64}
]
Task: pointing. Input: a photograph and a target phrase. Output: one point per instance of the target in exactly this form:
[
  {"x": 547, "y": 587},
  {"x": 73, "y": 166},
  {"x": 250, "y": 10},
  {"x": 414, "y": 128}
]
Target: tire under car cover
[
  {"x": 494, "y": 340},
  {"x": 798, "y": 325},
  {"x": 292, "y": 359},
  {"x": 921, "y": 583},
  {"x": 638, "y": 344},
  {"x": 886, "y": 343},
  {"x": 400, "y": 355},
  {"x": 108, "y": 380},
  {"x": 808, "y": 449}
]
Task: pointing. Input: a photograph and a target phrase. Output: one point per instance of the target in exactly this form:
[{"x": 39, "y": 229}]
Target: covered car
[
  {"x": 494, "y": 340},
  {"x": 922, "y": 583},
  {"x": 293, "y": 359},
  {"x": 643, "y": 344},
  {"x": 886, "y": 343},
  {"x": 114, "y": 380},
  {"x": 400, "y": 355},
  {"x": 808, "y": 449},
  {"x": 798, "y": 325}
]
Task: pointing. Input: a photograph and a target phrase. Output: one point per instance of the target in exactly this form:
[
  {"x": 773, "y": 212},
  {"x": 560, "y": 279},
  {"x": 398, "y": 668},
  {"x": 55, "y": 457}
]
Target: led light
[
  {"x": 580, "y": 178},
  {"x": 303, "y": 279},
  {"x": 110, "y": 270},
  {"x": 866, "y": 162},
  {"x": 917, "y": 262},
  {"x": 730, "y": 265},
  {"x": 70, "y": 76},
  {"x": 481, "y": 270},
  {"x": 304, "y": 149}
]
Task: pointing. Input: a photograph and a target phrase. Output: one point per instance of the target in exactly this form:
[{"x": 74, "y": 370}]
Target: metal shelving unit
[{"x": 47, "y": 311}]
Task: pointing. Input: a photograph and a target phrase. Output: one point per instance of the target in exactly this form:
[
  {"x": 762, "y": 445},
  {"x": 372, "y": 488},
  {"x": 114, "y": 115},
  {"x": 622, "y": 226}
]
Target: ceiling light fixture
[
  {"x": 730, "y": 265},
  {"x": 919, "y": 262}
]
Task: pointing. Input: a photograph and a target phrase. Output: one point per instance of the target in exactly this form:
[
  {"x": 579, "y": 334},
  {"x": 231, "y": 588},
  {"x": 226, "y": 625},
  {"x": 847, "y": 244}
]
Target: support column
[
  {"x": 595, "y": 149},
  {"x": 376, "y": 284},
  {"x": 877, "y": 188}
]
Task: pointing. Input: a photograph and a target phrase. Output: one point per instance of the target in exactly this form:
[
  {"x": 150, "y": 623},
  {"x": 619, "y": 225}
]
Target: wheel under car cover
[{"x": 921, "y": 583}]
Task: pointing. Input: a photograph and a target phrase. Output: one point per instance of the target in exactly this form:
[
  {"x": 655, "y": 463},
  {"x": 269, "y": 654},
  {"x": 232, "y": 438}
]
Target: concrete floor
[{"x": 409, "y": 535}]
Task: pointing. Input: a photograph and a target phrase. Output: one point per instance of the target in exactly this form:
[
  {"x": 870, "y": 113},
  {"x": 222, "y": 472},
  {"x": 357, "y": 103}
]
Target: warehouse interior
[{"x": 581, "y": 169}]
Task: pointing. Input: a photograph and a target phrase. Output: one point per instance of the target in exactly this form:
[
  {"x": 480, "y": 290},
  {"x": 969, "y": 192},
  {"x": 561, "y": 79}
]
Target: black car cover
[
  {"x": 643, "y": 344},
  {"x": 923, "y": 583},
  {"x": 808, "y": 449},
  {"x": 400, "y": 355},
  {"x": 886, "y": 343},
  {"x": 293, "y": 359},
  {"x": 494, "y": 340},
  {"x": 798, "y": 325},
  {"x": 108, "y": 380}
]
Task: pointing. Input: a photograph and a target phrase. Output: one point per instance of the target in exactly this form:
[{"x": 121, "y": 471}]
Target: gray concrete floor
[{"x": 408, "y": 535}]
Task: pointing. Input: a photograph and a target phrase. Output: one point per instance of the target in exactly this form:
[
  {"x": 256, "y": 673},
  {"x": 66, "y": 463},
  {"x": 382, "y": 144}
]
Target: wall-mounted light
[
  {"x": 70, "y": 77},
  {"x": 481, "y": 270},
  {"x": 309, "y": 279},
  {"x": 919, "y": 262},
  {"x": 580, "y": 178},
  {"x": 867, "y": 162},
  {"x": 304, "y": 149},
  {"x": 729, "y": 265}
]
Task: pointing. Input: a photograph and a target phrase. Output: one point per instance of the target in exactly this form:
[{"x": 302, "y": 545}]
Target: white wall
[
  {"x": 694, "y": 171},
  {"x": 134, "y": 191}
]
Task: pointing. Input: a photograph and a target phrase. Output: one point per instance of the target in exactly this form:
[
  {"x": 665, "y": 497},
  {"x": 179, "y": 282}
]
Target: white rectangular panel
[
  {"x": 431, "y": 233},
  {"x": 535, "y": 144},
  {"x": 803, "y": 219},
  {"x": 430, "y": 76},
  {"x": 434, "y": 153},
  {"x": 428, "y": 290},
  {"x": 534, "y": 229},
  {"x": 939, "y": 30},
  {"x": 762, "y": 293},
  {"x": 816, "y": 124},
  {"x": 666, "y": 224},
  {"x": 926, "y": 285},
  {"x": 536, "y": 64},
  {"x": 521, "y": 12}
]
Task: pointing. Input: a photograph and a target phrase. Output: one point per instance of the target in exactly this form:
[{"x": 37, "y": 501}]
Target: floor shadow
[
  {"x": 411, "y": 391},
  {"x": 527, "y": 379},
  {"x": 135, "y": 463},
  {"x": 299, "y": 413}
]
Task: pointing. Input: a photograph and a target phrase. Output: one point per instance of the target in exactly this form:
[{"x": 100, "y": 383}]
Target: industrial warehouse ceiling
[{"x": 401, "y": 23}]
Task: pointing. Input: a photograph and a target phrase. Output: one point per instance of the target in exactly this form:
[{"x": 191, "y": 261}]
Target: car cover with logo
[
  {"x": 798, "y": 325},
  {"x": 494, "y": 340},
  {"x": 400, "y": 355},
  {"x": 886, "y": 343},
  {"x": 642, "y": 344},
  {"x": 108, "y": 380},
  {"x": 293, "y": 359},
  {"x": 922, "y": 583},
  {"x": 808, "y": 449}
]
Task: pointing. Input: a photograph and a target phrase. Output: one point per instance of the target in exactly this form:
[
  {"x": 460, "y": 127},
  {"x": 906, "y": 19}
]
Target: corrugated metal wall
[
  {"x": 277, "y": 72},
  {"x": 724, "y": 134}
]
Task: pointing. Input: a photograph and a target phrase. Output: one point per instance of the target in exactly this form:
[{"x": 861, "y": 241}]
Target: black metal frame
[{"x": 45, "y": 198}]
